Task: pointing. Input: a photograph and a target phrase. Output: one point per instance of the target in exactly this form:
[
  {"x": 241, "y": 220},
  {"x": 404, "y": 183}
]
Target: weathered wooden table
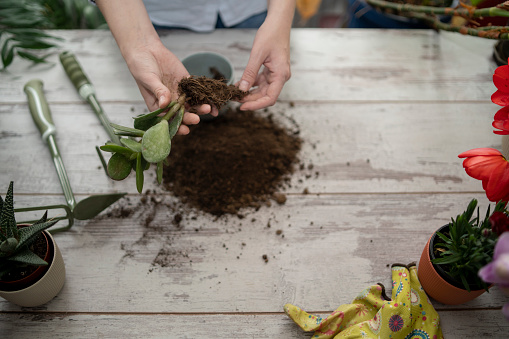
[{"x": 383, "y": 114}]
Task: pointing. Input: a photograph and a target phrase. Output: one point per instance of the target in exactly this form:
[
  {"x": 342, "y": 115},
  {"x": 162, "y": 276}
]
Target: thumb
[
  {"x": 154, "y": 88},
  {"x": 163, "y": 95},
  {"x": 250, "y": 73}
]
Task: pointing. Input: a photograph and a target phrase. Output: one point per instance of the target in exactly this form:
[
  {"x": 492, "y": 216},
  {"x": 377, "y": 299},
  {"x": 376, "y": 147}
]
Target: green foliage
[
  {"x": 148, "y": 142},
  {"x": 467, "y": 245},
  {"x": 22, "y": 23},
  {"x": 15, "y": 242}
]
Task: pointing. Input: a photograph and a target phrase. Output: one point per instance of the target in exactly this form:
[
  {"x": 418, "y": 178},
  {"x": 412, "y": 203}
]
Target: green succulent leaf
[
  {"x": 176, "y": 122},
  {"x": 156, "y": 143},
  {"x": 119, "y": 167},
  {"x": 127, "y": 131},
  {"x": 27, "y": 235},
  {"x": 145, "y": 121},
  {"x": 131, "y": 144},
  {"x": 159, "y": 172},
  {"x": 8, "y": 246},
  {"x": 27, "y": 257},
  {"x": 139, "y": 173},
  {"x": 114, "y": 148},
  {"x": 8, "y": 227}
]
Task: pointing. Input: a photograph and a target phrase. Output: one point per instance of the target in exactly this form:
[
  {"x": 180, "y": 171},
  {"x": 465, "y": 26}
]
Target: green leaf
[
  {"x": 176, "y": 122},
  {"x": 8, "y": 226},
  {"x": 139, "y": 173},
  {"x": 27, "y": 235},
  {"x": 8, "y": 246},
  {"x": 447, "y": 260},
  {"x": 159, "y": 172},
  {"x": 127, "y": 131},
  {"x": 146, "y": 123},
  {"x": 119, "y": 167},
  {"x": 114, "y": 148},
  {"x": 131, "y": 144},
  {"x": 156, "y": 143},
  {"x": 33, "y": 57},
  {"x": 7, "y": 55},
  {"x": 32, "y": 32},
  {"x": 27, "y": 257}
]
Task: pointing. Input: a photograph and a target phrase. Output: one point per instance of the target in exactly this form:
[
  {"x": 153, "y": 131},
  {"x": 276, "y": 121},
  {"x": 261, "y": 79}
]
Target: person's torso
[{"x": 201, "y": 15}]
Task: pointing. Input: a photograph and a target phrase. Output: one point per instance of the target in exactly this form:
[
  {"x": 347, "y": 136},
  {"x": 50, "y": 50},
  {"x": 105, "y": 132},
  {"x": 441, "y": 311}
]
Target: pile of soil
[{"x": 239, "y": 159}]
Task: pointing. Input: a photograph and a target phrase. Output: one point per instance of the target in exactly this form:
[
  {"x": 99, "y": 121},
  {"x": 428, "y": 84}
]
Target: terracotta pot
[
  {"x": 40, "y": 286},
  {"x": 437, "y": 286}
]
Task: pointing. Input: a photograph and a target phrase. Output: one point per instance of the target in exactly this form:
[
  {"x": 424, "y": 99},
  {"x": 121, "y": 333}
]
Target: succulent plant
[
  {"x": 467, "y": 245},
  {"x": 15, "y": 242},
  {"x": 148, "y": 142}
]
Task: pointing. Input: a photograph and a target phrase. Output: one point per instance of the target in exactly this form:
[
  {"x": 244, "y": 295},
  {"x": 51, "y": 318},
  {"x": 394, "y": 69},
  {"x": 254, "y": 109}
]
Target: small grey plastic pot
[{"x": 209, "y": 64}]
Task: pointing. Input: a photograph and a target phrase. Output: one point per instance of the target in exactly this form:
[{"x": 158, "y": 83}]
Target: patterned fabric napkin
[{"x": 408, "y": 315}]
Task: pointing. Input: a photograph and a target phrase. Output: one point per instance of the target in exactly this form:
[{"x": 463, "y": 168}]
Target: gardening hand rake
[{"x": 86, "y": 208}]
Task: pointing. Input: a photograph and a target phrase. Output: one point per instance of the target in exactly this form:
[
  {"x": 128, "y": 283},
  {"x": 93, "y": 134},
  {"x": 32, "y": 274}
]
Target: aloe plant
[
  {"x": 15, "y": 242},
  {"x": 22, "y": 25},
  {"x": 467, "y": 245},
  {"x": 149, "y": 141}
]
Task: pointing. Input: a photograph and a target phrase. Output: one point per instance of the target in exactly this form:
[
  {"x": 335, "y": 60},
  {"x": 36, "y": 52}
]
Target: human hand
[
  {"x": 271, "y": 48},
  {"x": 157, "y": 72}
]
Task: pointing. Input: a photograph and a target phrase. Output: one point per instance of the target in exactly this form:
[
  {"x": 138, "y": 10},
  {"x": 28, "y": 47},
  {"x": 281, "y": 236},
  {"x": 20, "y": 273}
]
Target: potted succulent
[
  {"x": 466, "y": 246},
  {"x": 32, "y": 270},
  {"x": 454, "y": 254}
]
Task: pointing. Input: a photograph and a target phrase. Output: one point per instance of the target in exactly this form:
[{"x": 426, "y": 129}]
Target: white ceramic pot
[{"x": 46, "y": 288}]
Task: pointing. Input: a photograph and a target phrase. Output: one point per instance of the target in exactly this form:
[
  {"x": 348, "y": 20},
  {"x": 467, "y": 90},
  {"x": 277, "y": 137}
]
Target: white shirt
[{"x": 201, "y": 15}]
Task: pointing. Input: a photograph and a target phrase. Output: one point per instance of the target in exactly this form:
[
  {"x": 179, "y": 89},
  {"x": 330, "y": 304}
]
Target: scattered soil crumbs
[
  {"x": 227, "y": 167},
  {"x": 203, "y": 90},
  {"x": 238, "y": 160}
]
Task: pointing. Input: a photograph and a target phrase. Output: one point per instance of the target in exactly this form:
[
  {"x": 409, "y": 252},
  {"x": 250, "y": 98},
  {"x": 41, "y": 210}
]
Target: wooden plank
[
  {"x": 337, "y": 65},
  {"x": 352, "y": 147},
  {"x": 328, "y": 249},
  {"x": 463, "y": 324}
]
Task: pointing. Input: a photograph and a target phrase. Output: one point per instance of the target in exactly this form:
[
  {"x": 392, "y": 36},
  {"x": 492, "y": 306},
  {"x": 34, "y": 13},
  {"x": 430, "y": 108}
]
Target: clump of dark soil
[
  {"x": 240, "y": 159},
  {"x": 215, "y": 92}
]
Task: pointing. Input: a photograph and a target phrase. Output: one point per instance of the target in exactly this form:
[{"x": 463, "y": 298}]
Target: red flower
[
  {"x": 501, "y": 121},
  {"x": 501, "y": 81},
  {"x": 489, "y": 166},
  {"x": 499, "y": 222}
]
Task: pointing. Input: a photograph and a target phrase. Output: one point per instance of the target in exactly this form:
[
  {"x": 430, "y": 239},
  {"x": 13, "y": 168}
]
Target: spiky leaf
[
  {"x": 27, "y": 257},
  {"x": 8, "y": 226},
  {"x": 30, "y": 233}
]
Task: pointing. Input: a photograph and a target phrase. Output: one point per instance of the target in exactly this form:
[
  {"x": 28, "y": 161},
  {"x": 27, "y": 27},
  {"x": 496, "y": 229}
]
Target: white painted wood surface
[{"x": 383, "y": 114}]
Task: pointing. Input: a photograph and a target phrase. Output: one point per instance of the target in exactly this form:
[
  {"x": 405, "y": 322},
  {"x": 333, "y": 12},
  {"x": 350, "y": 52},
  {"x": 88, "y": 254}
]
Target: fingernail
[
  {"x": 244, "y": 85},
  {"x": 161, "y": 101}
]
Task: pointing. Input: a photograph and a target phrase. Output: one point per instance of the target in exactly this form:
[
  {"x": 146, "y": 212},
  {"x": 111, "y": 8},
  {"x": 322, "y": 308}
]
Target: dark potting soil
[
  {"x": 240, "y": 159},
  {"x": 203, "y": 90}
]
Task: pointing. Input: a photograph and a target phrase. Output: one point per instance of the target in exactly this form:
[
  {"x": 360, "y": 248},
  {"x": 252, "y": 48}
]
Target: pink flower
[
  {"x": 501, "y": 121},
  {"x": 489, "y": 166},
  {"x": 501, "y": 81},
  {"x": 497, "y": 271}
]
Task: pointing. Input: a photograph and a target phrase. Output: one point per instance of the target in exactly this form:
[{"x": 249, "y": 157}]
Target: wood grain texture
[
  {"x": 465, "y": 324},
  {"x": 352, "y": 147},
  {"x": 326, "y": 65},
  {"x": 383, "y": 115}
]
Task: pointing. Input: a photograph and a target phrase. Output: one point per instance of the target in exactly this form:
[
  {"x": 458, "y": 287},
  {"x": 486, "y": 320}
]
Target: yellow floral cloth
[{"x": 409, "y": 315}]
